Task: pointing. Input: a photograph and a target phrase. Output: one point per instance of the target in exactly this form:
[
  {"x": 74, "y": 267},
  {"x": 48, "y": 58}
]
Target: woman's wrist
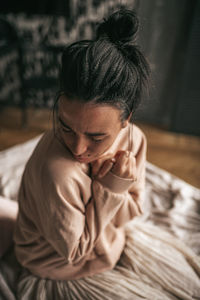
[{"x": 115, "y": 183}]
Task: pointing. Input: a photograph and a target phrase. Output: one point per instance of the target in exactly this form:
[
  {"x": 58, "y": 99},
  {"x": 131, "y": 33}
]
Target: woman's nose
[{"x": 80, "y": 146}]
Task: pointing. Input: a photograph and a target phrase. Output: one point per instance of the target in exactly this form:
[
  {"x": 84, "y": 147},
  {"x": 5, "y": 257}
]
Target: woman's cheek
[
  {"x": 102, "y": 147},
  {"x": 67, "y": 139}
]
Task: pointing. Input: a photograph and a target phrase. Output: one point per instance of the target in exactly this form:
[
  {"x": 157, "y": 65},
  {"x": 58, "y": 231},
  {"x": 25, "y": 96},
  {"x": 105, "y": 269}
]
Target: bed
[{"x": 169, "y": 202}]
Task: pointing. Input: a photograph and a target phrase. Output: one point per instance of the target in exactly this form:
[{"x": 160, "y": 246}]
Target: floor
[{"x": 179, "y": 154}]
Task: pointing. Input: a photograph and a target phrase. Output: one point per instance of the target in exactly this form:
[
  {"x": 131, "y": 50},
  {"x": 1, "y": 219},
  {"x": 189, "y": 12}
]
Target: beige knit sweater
[{"x": 69, "y": 225}]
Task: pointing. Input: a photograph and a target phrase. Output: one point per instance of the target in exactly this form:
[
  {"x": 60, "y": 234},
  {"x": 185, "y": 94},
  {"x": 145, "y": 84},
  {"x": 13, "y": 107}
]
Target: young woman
[{"x": 85, "y": 179}]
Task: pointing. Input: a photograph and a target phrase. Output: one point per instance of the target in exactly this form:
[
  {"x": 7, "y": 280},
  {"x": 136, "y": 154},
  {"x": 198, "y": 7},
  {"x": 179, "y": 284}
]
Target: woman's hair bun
[{"x": 121, "y": 26}]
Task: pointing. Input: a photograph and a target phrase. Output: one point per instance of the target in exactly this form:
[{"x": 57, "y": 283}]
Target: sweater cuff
[{"x": 115, "y": 183}]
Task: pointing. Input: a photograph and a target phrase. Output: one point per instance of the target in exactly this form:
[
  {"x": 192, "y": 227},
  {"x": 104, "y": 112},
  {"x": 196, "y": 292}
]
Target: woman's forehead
[{"x": 88, "y": 116}]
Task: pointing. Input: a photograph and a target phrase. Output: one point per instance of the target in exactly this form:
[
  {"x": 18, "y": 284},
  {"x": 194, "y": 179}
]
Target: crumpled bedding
[{"x": 169, "y": 203}]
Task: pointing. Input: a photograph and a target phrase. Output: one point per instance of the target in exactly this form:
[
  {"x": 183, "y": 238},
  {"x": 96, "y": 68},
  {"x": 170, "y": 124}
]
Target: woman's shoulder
[
  {"x": 49, "y": 148},
  {"x": 52, "y": 159}
]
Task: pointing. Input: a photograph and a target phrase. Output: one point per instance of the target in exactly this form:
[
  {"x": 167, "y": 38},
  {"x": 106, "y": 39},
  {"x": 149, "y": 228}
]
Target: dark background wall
[{"x": 169, "y": 36}]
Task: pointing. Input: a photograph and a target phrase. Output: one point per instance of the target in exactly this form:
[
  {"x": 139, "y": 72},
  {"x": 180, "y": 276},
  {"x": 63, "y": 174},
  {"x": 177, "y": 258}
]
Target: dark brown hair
[{"x": 109, "y": 69}]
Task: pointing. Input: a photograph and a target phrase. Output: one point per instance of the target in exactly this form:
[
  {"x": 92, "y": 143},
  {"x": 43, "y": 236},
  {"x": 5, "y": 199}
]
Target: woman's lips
[{"x": 81, "y": 158}]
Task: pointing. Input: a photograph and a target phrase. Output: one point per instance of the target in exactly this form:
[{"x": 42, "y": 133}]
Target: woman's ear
[{"x": 125, "y": 123}]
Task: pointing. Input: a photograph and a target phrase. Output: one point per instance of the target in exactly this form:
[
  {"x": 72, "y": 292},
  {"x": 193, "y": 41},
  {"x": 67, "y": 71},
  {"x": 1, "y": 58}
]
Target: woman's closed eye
[
  {"x": 97, "y": 140},
  {"x": 66, "y": 129}
]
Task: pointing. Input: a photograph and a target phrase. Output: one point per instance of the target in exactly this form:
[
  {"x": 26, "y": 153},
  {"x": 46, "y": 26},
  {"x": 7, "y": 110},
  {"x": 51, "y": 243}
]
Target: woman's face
[{"x": 88, "y": 130}]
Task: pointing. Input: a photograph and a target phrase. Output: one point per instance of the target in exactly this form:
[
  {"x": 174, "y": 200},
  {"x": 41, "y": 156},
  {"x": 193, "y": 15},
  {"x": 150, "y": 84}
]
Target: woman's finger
[
  {"x": 125, "y": 165},
  {"x": 96, "y": 165},
  {"x": 120, "y": 166},
  {"x": 106, "y": 167}
]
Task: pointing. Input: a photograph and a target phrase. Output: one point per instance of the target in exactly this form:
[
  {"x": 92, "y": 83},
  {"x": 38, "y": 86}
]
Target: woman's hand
[{"x": 123, "y": 164}]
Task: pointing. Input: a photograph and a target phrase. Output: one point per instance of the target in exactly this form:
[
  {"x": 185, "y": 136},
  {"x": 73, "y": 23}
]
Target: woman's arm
[{"x": 73, "y": 227}]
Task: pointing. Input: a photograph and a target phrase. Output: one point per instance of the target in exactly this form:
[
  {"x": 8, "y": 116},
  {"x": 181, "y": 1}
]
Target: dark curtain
[{"x": 170, "y": 37}]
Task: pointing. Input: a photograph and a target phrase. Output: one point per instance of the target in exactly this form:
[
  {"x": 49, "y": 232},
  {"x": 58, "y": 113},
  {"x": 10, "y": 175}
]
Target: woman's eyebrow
[{"x": 86, "y": 133}]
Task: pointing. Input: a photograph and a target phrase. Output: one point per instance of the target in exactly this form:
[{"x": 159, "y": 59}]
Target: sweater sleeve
[
  {"x": 132, "y": 204},
  {"x": 71, "y": 226}
]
